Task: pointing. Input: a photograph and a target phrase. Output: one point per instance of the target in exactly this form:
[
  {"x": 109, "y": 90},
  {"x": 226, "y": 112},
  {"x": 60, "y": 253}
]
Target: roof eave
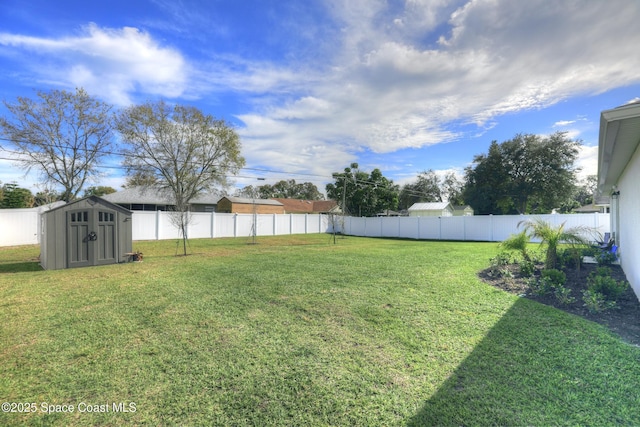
[{"x": 611, "y": 159}]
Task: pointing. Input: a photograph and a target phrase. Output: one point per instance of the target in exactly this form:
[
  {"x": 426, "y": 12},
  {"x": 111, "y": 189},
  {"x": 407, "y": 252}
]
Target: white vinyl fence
[
  {"x": 157, "y": 225},
  {"x": 22, "y": 226},
  {"x": 487, "y": 228}
]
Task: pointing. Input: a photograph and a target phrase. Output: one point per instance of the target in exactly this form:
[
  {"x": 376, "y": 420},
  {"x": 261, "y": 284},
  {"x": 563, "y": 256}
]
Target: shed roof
[
  {"x": 618, "y": 140},
  {"x": 95, "y": 199},
  {"x": 434, "y": 206}
]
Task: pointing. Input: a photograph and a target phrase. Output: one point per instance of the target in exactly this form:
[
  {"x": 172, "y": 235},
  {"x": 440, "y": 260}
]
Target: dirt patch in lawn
[{"x": 624, "y": 320}]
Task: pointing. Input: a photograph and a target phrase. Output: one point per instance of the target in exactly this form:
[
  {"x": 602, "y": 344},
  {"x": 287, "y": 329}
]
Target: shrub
[
  {"x": 605, "y": 258},
  {"x": 498, "y": 264},
  {"x": 527, "y": 268},
  {"x": 555, "y": 277},
  {"x": 606, "y": 285},
  {"x": 563, "y": 295},
  {"x": 570, "y": 257},
  {"x": 551, "y": 280},
  {"x": 595, "y": 302},
  {"x": 541, "y": 286}
]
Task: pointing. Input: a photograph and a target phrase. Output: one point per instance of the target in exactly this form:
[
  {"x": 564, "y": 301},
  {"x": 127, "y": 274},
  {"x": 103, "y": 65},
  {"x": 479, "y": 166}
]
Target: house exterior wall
[
  {"x": 625, "y": 221},
  {"x": 443, "y": 212},
  {"x": 227, "y": 206},
  {"x": 463, "y": 212},
  {"x": 257, "y": 208}
]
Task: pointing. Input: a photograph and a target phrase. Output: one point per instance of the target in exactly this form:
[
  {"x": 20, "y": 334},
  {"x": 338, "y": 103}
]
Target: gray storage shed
[{"x": 89, "y": 231}]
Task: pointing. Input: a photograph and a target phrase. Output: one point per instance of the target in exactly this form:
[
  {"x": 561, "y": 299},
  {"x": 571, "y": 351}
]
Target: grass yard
[{"x": 297, "y": 331}]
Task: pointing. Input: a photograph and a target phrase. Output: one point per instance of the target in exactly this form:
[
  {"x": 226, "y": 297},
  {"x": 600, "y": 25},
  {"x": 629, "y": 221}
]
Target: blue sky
[{"x": 312, "y": 86}]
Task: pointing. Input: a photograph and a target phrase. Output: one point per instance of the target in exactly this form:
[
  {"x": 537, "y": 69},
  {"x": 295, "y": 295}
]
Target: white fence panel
[
  {"x": 224, "y": 225},
  {"x": 452, "y": 228},
  {"x": 283, "y": 224},
  {"x": 408, "y": 227},
  {"x": 317, "y": 224},
  {"x": 429, "y": 228},
  {"x": 505, "y": 225},
  {"x": 264, "y": 225},
  {"x": 358, "y": 227},
  {"x": 244, "y": 223},
  {"x": 478, "y": 228},
  {"x": 390, "y": 227},
  {"x": 19, "y": 227},
  {"x": 298, "y": 224},
  {"x": 144, "y": 225},
  {"x": 199, "y": 225}
]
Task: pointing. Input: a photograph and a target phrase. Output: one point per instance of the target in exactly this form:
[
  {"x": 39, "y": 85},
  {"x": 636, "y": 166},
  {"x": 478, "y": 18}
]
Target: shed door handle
[{"x": 93, "y": 236}]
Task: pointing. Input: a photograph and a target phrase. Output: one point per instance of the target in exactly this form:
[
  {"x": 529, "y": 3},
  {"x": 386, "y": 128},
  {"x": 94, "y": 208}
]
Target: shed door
[
  {"x": 105, "y": 245},
  {"x": 91, "y": 237},
  {"x": 79, "y": 247}
]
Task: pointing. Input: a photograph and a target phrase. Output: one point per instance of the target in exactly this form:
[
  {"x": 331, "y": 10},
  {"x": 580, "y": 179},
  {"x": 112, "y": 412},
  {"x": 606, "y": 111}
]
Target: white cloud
[
  {"x": 587, "y": 161},
  {"x": 563, "y": 123},
  {"x": 110, "y": 63},
  {"x": 398, "y": 75}
]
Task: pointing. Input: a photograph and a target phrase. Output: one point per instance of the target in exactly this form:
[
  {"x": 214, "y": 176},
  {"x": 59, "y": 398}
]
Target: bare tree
[
  {"x": 186, "y": 151},
  {"x": 62, "y": 134}
]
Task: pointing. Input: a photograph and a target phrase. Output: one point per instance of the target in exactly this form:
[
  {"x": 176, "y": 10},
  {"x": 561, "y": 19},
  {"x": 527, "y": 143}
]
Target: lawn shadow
[
  {"x": 20, "y": 267},
  {"x": 539, "y": 366}
]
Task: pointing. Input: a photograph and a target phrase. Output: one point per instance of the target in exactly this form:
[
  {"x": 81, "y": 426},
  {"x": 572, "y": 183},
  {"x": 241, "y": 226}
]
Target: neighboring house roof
[
  {"x": 436, "y": 206},
  {"x": 155, "y": 196},
  {"x": 461, "y": 208},
  {"x": 248, "y": 201},
  {"x": 389, "y": 212},
  {"x": 619, "y": 130},
  {"x": 590, "y": 208},
  {"x": 92, "y": 200},
  {"x": 307, "y": 206}
]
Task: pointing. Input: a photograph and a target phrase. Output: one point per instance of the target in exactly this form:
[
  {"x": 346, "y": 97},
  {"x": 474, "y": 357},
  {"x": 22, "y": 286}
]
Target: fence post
[
  {"x": 235, "y": 225},
  {"x": 306, "y": 219},
  {"x": 274, "y": 225},
  {"x": 213, "y": 225},
  {"x": 158, "y": 225},
  {"x": 491, "y": 225}
]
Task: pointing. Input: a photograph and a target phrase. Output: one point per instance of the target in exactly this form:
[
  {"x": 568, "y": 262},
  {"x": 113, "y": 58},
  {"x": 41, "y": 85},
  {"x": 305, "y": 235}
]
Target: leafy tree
[
  {"x": 425, "y": 189},
  {"x": 46, "y": 196},
  {"x": 186, "y": 151},
  {"x": 140, "y": 179},
  {"x": 99, "y": 191},
  {"x": 428, "y": 187},
  {"x": 363, "y": 194},
  {"x": 451, "y": 189},
  {"x": 485, "y": 186},
  {"x": 15, "y": 197},
  {"x": 288, "y": 189},
  {"x": 582, "y": 195},
  {"x": 527, "y": 174},
  {"x": 62, "y": 134}
]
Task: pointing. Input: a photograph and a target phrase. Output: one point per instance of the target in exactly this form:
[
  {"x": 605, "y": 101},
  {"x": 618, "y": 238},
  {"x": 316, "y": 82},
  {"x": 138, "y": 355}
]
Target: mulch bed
[{"x": 624, "y": 320}]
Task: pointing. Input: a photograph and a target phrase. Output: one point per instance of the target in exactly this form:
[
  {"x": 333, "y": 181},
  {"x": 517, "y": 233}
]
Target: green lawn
[{"x": 297, "y": 331}]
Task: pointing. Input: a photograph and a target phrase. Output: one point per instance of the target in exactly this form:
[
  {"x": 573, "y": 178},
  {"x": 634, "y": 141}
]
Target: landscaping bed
[{"x": 623, "y": 320}]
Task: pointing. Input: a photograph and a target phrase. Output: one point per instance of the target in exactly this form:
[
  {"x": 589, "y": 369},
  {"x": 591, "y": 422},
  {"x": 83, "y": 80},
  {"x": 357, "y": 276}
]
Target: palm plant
[
  {"x": 552, "y": 236},
  {"x": 517, "y": 242}
]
